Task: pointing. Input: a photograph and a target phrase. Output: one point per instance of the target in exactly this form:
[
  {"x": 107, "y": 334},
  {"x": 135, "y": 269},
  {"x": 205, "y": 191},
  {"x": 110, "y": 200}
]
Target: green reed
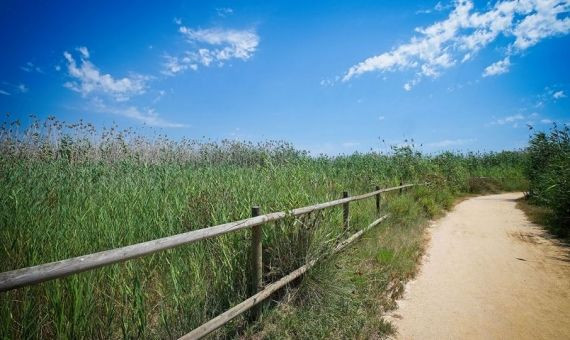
[{"x": 68, "y": 190}]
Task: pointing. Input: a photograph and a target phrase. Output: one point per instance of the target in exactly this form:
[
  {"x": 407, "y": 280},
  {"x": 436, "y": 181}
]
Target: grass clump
[
  {"x": 357, "y": 286},
  {"x": 69, "y": 189}
]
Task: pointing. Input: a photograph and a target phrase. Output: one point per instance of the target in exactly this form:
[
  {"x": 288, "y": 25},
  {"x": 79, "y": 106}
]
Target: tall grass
[
  {"x": 68, "y": 190},
  {"x": 548, "y": 170}
]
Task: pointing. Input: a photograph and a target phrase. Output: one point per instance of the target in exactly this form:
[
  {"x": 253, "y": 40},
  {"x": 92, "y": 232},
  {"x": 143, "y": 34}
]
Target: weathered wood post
[
  {"x": 256, "y": 260},
  {"x": 377, "y": 200},
  {"x": 401, "y": 189},
  {"x": 345, "y": 211}
]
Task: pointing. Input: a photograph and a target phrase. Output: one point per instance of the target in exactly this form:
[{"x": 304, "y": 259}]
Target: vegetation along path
[{"x": 488, "y": 273}]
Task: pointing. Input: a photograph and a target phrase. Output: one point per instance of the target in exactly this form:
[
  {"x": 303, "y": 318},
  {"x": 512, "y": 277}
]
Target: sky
[{"x": 329, "y": 77}]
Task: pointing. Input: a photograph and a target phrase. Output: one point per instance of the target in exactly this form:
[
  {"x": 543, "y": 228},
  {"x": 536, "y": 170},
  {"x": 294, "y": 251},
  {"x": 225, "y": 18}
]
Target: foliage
[{"x": 548, "y": 171}]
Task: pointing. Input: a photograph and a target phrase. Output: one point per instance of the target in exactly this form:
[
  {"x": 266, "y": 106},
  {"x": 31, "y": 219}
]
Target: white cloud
[
  {"x": 546, "y": 121},
  {"x": 147, "y": 116},
  {"x": 464, "y": 32},
  {"x": 545, "y": 19},
  {"x": 161, "y": 93},
  {"x": 178, "y": 21},
  {"x": 549, "y": 95},
  {"x": 235, "y": 43},
  {"x": 23, "y": 88},
  {"x": 213, "y": 46},
  {"x": 500, "y": 67},
  {"x": 558, "y": 95},
  {"x": 30, "y": 67},
  {"x": 508, "y": 119},
  {"x": 84, "y": 52},
  {"x": 438, "y": 8},
  {"x": 13, "y": 88},
  {"x": 224, "y": 12},
  {"x": 88, "y": 79},
  {"x": 450, "y": 142},
  {"x": 329, "y": 82}
]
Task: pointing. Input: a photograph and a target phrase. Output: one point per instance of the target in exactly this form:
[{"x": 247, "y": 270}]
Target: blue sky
[{"x": 328, "y": 77}]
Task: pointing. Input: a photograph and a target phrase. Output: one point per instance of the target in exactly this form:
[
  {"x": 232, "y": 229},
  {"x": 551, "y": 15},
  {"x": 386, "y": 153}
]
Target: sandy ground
[{"x": 488, "y": 274}]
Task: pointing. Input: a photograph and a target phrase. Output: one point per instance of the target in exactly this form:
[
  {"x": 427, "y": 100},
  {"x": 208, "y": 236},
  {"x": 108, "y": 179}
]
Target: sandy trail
[{"x": 488, "y": 274}]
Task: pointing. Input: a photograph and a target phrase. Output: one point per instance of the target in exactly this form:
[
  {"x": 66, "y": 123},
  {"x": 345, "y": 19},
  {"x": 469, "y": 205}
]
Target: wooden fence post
[
  {"x": 377, "y": 200},
  {"x": 401, "y": 190},
  {"x": 256, "y": 260},
  {"x": 345, "y": 211}
]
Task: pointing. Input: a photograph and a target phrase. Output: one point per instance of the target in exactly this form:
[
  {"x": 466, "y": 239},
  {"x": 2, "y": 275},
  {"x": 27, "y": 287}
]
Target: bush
[{"x": 548, "y": 171}]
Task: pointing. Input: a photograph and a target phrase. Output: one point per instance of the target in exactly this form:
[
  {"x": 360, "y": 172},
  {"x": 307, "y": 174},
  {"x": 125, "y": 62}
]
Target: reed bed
[{"x": 70, "y": 189}]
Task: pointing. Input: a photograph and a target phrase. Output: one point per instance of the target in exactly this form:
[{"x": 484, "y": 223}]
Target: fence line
[
  {"x": 49, "y": 271},
  {"x": 53, "y": 270},
  {"x": 242, "y": 307}
]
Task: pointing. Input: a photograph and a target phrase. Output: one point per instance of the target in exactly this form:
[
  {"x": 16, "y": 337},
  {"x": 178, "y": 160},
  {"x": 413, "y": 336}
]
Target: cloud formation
[
  {"x": 30, "y": 67},
  {"x": 89, "y": 79},
  {"x": 450, "y": 142},
  {"x": 529, "y": 119},
  {"x": 558, "y": 95},
  {"x": 508, "y": 119},
  {"x": 146, "y": 116},
  {"x": 212, "y": 46},
  {"x": 109, "y": 94},
  {"x": 465, "y": 32},
  {"x": 500, "y": 67},
  {"x": 224, "y": 12}
]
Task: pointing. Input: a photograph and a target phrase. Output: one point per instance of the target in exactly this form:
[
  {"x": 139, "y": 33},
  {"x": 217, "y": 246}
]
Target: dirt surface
[{"x": 488, "y": 274}]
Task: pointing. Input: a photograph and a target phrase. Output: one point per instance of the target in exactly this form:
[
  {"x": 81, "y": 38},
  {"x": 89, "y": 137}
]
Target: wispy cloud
[
  {"x": 329, "y": 82},
  {"x": 508, "y": 119},
  {"x": 465, "y": 32},
  {"x": 515, "y": 120},
  {"x": 437, "y": 8},
  {"x": 549, "y": 94},
  {"x": 500, "y": 67},
  {"x": 30, "y": 67},
  {"x": 146, "y": 116},
  {"x": 450, "y": 142},
  {"x": 109, "y": 94},
  {"x": 212, "y": 46},
  {"x": 89, "y": 79},
  {"x": 224, "y": 12},
  {"x": 13, "y": 88},
  {"x": 23, "y": 88},
  {"x": 558, "y": 95},
  {"x": 350, "y": 144}
]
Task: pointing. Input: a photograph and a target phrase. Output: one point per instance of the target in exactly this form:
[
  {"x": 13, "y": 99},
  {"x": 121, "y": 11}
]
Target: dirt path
[{"x": 488, "y": 274}]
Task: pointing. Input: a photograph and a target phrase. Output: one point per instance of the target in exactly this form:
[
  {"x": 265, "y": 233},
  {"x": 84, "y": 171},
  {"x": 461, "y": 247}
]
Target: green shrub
[{"x": 548, "y": 171}]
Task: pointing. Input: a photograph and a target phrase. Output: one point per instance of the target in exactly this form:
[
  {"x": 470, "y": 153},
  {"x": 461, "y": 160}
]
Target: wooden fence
[{"x": 54, "y": 270}]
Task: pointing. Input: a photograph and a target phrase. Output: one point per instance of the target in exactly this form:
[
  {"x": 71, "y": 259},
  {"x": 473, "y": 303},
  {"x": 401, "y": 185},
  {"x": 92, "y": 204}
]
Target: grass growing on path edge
[
  {"x": 347, "y": 295},
  {"x": 542, "y": 216}
]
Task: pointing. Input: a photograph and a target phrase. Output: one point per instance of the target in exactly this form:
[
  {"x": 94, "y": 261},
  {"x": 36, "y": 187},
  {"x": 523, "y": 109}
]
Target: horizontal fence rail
[
  {"x": 53, "y": 270},
  {"x": 242, "y": 307}
]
